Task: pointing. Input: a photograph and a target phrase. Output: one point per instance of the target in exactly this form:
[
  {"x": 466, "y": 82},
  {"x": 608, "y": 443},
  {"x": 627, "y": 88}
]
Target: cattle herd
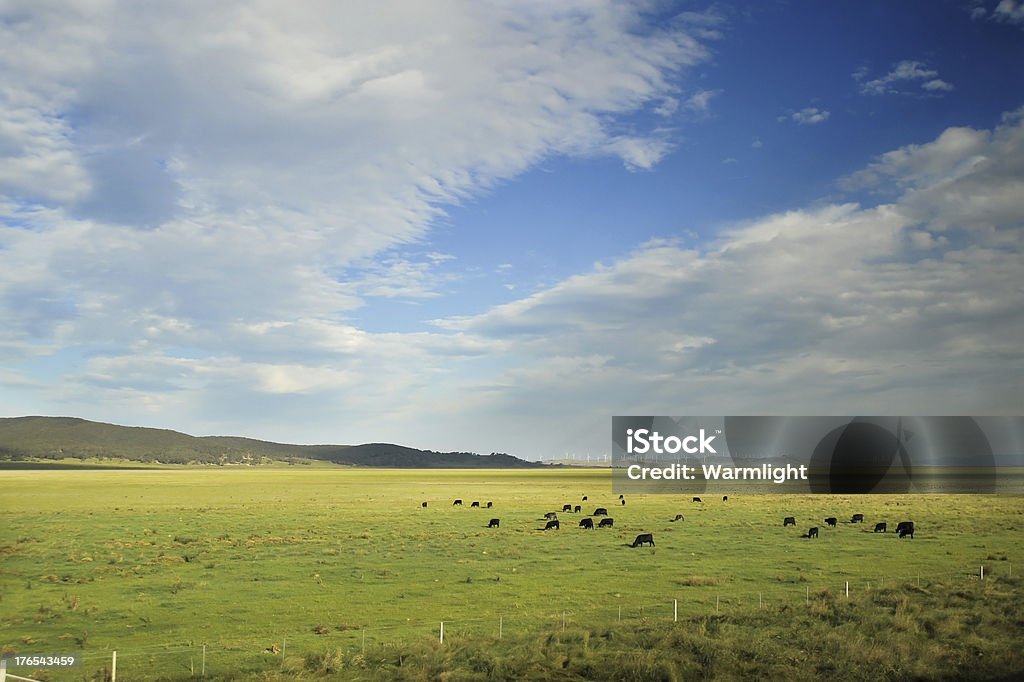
[
  {"x": 904, "y": 529},
  {"x": 551, "y": 521}
]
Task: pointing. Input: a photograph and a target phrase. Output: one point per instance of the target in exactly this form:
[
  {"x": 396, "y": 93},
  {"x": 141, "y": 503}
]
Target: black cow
[
  {"x": 457, "y": 503},
  {"x": 725, "y": 498},
  {"x": 812, "y": 533},
  {"x": 621, "y": 497},
  {"x": 643, "y": 539},
  {"x": 909, "y": 530},
  {"x": 831, "y": 521},
  {"x": 584, "y": 499},
  {"x": 857, "y": 518},
  {"x": 696, "y": 499},
  {"x": 490, "y": 504},
  {"x": 551, "y": 515},
  {"x": 475, "y": 504},
  {"x": 679, "y": 517},
  {"x": 587, "y": 523},
  {"x": 788, "y": 521},
  {"x": 623, "y": 502},
  {"x": 606, "y": 522},
  {"x": 423, "y": 504},
  {"x": 600, "y": 511},
  {"x": 494, "y": 523},
  {"x": 880, "y": 527},
  {"x": 567, "y": 507},
  {"x": 551, "y": 524},
  {"x": 576, "y": 509}
]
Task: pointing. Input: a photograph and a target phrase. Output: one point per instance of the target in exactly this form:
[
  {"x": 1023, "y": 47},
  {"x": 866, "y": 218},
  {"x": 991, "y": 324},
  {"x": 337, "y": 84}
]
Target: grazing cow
[
  {"x": 567, "y": 507},
  {"x": 880, "y": 527},
  {"x": 457, "y": 503},
  {"x": 679, "y": 517},
  {"x": 623, "y": 502},
  {"x": 576, "y": 509},
  {"x": 584, "y": 499},
  {"x": 600, "y": 511},
  {"x": 551, "y": 515},
  {"x": 587, "y": 523},
  {"x": 423, "y": 504},
  {"x": 725, "y": 498},
  {"x": 551, "y": 524},
  {"x": 475, "y": 504},
  {"x": 606, "y": 522},
  {"x": 643, "y": 539},
  {"x": 788, "y": 521},
  {"x": 907, "y": 530},
  {"x": 857, "y": 518},
  {"x": 831, "y": 521},
  {"x": 812, "y": 533},
  {"x": 490, "y": 504},
  {"x": 494, "y": 523},
  {"x": 696, "y": 499},
  {"x": 622, "y": 497}
]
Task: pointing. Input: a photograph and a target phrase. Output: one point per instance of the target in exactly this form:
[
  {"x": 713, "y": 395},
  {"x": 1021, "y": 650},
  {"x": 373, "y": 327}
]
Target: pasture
[{"x": 280, "y": 568}]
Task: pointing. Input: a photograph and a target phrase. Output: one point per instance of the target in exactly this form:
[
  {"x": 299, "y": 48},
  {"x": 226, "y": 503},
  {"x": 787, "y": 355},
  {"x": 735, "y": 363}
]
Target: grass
[{"x": 299, "y": 572}]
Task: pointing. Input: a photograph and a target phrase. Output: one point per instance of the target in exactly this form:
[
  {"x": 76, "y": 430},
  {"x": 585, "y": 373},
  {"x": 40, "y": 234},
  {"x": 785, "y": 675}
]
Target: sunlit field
[{"x": 316, "y": 572}]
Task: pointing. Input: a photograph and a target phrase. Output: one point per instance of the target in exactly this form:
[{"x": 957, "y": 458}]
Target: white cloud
[
  {"x": 1010, "y": 11},
  {"x": 810, "y": 116},
  {"x": 207, "y": 193},
  {"x": 902, "y": 75},
  {"x": 227, "y": 162},
  {"x": 700, "y": 101},
  {"x": 834, "y": 309},
  {"x": 937, "y": 84}
]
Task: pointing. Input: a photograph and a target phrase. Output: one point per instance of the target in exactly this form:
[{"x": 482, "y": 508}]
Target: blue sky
[{"x": 492, "y": 226}]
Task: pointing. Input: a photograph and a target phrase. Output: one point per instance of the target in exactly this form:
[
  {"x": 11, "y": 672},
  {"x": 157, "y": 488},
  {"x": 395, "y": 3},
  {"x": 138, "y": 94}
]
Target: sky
[{"x": 491, "y": 226}]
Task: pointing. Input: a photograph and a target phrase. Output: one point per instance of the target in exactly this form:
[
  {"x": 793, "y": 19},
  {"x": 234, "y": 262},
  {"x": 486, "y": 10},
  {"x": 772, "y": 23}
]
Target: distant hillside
[{"x": 55, "y": 438}]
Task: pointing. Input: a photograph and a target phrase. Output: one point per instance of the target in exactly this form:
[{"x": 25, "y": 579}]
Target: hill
[{"x": 53, "y": 438}]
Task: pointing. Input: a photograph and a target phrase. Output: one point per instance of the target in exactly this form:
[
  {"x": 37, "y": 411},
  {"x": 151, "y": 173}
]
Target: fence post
[
  {"x": 203, "y": 673},
  {"x": 442, "y": 632},
  {"x": 113, "y": 667},
  {"x": 760, "y": 602},
  {"x": 364, "y": 642},
  {"x": 499, "y": 627},
  {"x": 983, "y": 571},
  {"x": 675, "y": 610},
  {"x": 3, "y": 669},
  {"x": 847, "y": 589},
  {"x": 620, "y": 614}
]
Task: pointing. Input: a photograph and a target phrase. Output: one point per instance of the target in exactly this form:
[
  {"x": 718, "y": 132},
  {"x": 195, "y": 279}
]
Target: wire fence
[{"x": 197, "y": 659}]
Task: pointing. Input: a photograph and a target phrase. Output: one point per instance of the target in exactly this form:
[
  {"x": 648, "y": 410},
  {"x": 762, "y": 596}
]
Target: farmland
[{"x": 295, "y": 572}]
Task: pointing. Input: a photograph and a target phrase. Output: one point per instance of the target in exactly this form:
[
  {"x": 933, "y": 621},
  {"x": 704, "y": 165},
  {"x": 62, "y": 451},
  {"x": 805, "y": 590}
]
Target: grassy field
[{"x": 299, "y": 572}]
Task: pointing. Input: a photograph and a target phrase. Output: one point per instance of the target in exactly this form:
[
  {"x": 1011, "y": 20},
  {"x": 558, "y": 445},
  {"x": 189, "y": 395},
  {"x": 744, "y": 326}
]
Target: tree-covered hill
[{"x": 56, "y": 438}]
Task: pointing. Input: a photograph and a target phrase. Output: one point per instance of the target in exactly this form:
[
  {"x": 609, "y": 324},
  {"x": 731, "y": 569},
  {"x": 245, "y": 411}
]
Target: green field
[{"x": 337, "y": 573}]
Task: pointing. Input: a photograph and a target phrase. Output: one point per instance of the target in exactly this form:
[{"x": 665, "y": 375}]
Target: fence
[{"x": 190, "y": 659}]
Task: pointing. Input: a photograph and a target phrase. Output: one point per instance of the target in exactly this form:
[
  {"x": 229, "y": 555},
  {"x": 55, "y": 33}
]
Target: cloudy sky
[{"x": 491, "y": 226}]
